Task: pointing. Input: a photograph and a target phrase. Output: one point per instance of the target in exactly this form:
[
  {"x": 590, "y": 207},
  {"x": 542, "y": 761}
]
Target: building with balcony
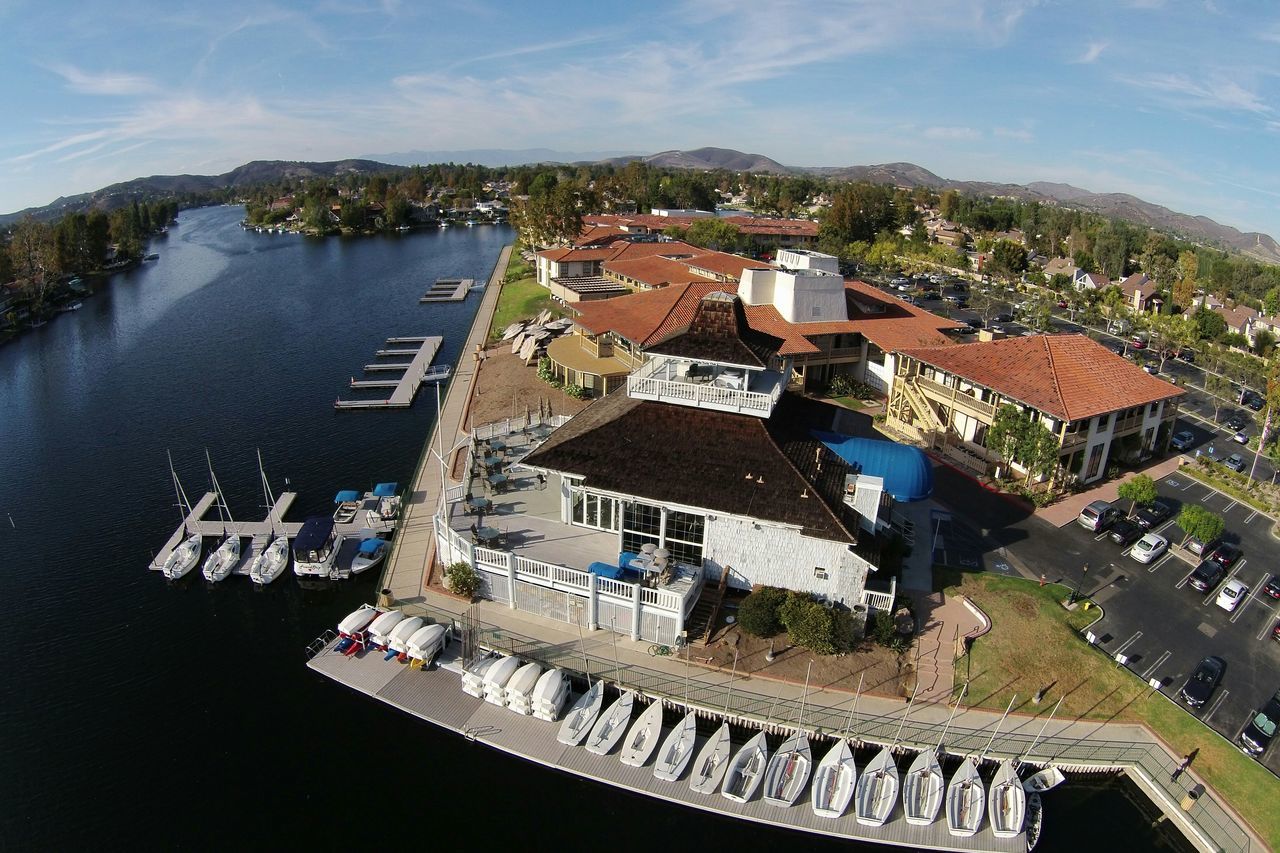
[{"x": 1102, "y": 408}]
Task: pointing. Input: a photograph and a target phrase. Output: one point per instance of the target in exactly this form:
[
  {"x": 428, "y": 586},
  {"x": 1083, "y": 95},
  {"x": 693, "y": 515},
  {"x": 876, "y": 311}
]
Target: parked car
[
  {"x": 1187, "y": 354},
  {"x": 1256, "y": 735},
  {"x": 1137, "y": 342},
  {"x": 1275, "y": 633},
  {"x": 1183, "y": 440},
  {"x": 1237, "y": 421},
  {"x": 975, "y": 323},
  {"x": 1098, "y": 516},
  {"x": 1152, "y": 367},
  {"x": 1226, "y": 555},
  {"x": 1149, "y": 516},
  {"x": 1253, "y": 400},
  {"x": 1202, "y": 549},
  {"x": 1149, "y": 547},
  {"x": 1125, "y": 532},
  {"x": 1206, "y": 576},
  {"x": 1004, "y": 317},
  {"x": 1272, "y": 587},
  {"x": 960, "y": 287},
  {"x": 1203, "y": 681},
  {"x": 1235, "y": 462},
  {"x": 1062, "y": 303},
  {"x": 1241, "y": 437},
  {"x": 1232, "y": 593},
  {"x": 904, "y": 286},
  {"x": 997, "y": 328}
]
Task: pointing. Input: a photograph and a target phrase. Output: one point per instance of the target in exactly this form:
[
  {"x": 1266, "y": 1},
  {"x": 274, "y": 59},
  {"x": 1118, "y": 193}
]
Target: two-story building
[{"x": 1102, "y": 408}]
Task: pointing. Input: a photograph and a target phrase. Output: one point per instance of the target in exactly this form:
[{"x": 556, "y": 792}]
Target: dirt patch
[{"x": 505, "y": 388}]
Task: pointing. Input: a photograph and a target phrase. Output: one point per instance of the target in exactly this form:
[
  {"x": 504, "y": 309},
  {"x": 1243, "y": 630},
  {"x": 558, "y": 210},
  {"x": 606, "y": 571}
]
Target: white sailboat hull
[
  {"x": 549, "y": 695},
  {"x": 834, "y": 781},
  {"x": 788, "y": 772},
  {"x": 184, "y": 558},
  {"x": 966, "y": 800},
  {"x": 747, "y": 770},
  {"x": 271, "y": 563},
  {"x": 473, "y": 674},
  {"x": 877, "y": 790},
  {"x": 712, "y": 762},
  {"x": 677, "y": 749},
  {"x": 220, "y": 563},
  {"x": 520, "y": 688},
  {"x": 578, "y": 722},
  {"x": 609, "y": 729},
  {"x": 1007, "y": 802},
  {"x": 922, "y": 790},
  {"x": 1050, "y": 777},
  {"x": 643, "y": 738}
]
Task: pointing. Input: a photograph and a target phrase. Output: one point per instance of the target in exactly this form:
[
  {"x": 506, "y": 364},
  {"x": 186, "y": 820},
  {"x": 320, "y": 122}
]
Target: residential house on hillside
[
  {"x": 1101, "y": 408},
  {"x": 1141, "y": 293},
  {"x": 1061, "y": 266},
  {"x": 1091, "y": 281}
]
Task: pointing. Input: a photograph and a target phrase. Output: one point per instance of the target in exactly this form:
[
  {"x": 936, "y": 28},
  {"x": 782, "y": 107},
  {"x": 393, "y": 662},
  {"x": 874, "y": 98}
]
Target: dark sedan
[
  {"x": 1149, "y": 516},
  {"x": 1261, "y": 728},
  {"x": 1206, "y": 576},
  {"x": 1203, "y": 682},
  {"x": 1226, "y": 555},
  {"x": 1125, "y": 532},
  {"x": 1273, "y": 587},
  {"x": 1237, "y": 422}
]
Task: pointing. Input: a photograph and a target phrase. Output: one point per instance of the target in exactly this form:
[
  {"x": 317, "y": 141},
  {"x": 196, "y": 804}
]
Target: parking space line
[
  {"x": 1251, "y": 517},
  {"x": 1207, "y": 496},
  {"x": 1160, "y": 562},
  {"x": 1127, "y": 643},
  {"x": 1180, "y": 584},
  {"x": 1217, "y": 703},
  {"x": 1188, "y": 485},
  {"x": 1126, "y": 551},
  {"x": 1100, "y": 536},
  {"x": 1266, "y": 623},
  {"x": 1162, "y": 528},
  {"x": 1151, "y": 669},
  {"x": 1244, "y": 605},
  {"x": 1230, "y": 505},
  {"x": 1235, "y": 570}
]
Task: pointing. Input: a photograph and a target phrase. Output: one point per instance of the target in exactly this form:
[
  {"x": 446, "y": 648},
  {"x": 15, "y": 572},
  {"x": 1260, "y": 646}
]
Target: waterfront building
[{"x": 1101, "y": 408}]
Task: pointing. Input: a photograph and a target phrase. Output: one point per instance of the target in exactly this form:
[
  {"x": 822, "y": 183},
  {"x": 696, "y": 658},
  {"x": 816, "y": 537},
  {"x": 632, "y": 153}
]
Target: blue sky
[{"x": 1176, "y": 102}]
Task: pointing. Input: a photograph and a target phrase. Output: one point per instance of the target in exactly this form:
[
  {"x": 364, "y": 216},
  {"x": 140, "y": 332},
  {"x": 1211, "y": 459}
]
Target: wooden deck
[
  {"x": 436, "y": 696},
  {"x": 448, "y": 290},
  {"x": 257, "y": 531},
  {"x": 403, "y": 389}
]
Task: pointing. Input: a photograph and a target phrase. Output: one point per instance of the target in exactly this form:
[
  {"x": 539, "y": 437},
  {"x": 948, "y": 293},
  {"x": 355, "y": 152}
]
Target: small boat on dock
[
  {"x": 643, "y": 737},
  {"x": 369, "y": 553},
  {"x": 747, "y": 769},
  {"x": 437, "y": 373},
  {"x": 382, "y": 626},
  {"x": 788, "y": 771},
  {"x": 712, "y": 762},
  {"x": 549, "y": 695},
  {"x": 495, "y": 680},
  {"x": 1035, "y": 820},
  {"x": 426, "y": 644},
  {"x": 271, "y": 563},
  {"x": 611, "y": 725},
  {"x": 677, "y": 749},
  {"x": 388, "y": 501},
  {"x": 222, "y": 561},
  {"x": 474, "y": 672},
  {"x": 347, "y": 504},
  {"x": 521, "y": 686},
  {"x": 398, "y": 639},
  {"x": 922, "y": 789},
  {"x": 877, "y": 790},
  {"x": 1050, "y": 777},
  {"x": 183, "y": 558},
  {"x": 357, "y": 621},
  {"x": 966, "y": 799},
  {"x": 834, "y": 781},
  {"x": 577, "y": 723},
  {"x": 1006, "y": 802}
]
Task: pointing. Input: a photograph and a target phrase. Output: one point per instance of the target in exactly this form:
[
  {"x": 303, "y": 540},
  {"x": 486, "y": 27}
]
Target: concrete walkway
[{"x": 1065, "y": 511}]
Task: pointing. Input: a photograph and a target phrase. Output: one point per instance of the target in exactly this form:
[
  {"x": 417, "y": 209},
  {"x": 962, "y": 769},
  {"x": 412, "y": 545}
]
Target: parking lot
[{"x": 1163, "y": 627}]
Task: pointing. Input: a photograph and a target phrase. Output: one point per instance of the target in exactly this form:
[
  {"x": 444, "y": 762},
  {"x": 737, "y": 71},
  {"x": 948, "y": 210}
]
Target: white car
[
  {"x": 1234, "y": 592},
  {"x": 1149, "y": 547}
]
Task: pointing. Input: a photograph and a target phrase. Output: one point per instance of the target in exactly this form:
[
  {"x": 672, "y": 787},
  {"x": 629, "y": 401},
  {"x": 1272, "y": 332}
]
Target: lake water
[{"x": 138, "y": 712}]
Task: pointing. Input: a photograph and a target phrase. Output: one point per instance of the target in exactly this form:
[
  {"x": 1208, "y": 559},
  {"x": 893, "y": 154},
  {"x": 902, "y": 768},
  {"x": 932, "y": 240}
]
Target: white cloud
[
  {"x": 1091, "y": 53},
  {"x": 103, "y": 83},
  {"x": 954, "y": 134},
  {"x": 1217, "y": 92},
  {"x": 1017, "y": 134}
]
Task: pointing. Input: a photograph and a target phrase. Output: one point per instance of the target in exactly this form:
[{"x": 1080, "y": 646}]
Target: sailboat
[
  {"x": 922, "y": 789},
  {"x": 1007, "y": 802},
  {"x": 581, "y": 716},
  {"x": 677, "y": 749},
  {"x": 877, "y": 790},
  {"x": 965, "y": 800},
  {"x": 184, "y": 557},
  {"x": 219, "y": 564},
  {"x": 789, "y": 769},
  {"x": 747, "y": 769},
  {"x": 643, "y": 738},
  {"x": 712, "y": 762},
  {"x": 611, "y": 725},
  {"x": 837, "y": 774},
  {"x": 273, "y": 559}
]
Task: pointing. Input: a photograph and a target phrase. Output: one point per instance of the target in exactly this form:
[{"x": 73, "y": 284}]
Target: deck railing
[{"x": 665, "y": 390}]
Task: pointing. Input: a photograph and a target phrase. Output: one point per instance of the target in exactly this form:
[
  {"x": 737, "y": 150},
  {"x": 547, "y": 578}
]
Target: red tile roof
[
  {"x": 1069, "y": 377},
  {"x": 645, "y": 317}
]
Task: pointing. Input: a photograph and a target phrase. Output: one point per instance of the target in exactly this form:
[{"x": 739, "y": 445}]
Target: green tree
[
  {"x": 1210, "y": 325},
  {"x": 859, "y": 211},
  {"x": 1198, "y": 523},
  {"x": 1168, "y": 333},
  {"x": 949, "y": 204},
  {"x": 1271, "y": 302},
  {"x": 397, "y": 211},
  {"x": 33, "y": 255},
  {"x": 1218, "y": 388},
  {"x": 1184, "y": 289},
  {"x": 1141, "y": 489},
  {"x": 714, "y": 233},
  {"x": 1008, "y": 258},
  {"x": 1019, "y": 438}
]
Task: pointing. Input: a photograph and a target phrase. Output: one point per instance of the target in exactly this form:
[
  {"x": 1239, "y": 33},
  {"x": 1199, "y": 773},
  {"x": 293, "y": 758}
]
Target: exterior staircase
[
  {"x": 702, "y": 620},
  {"x": 920, "y": 404}
]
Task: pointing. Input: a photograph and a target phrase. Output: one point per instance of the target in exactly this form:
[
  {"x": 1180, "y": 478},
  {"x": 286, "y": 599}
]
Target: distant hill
[
  {"x": 494, "y": 157},
  {"x": 709, "y": 158}
]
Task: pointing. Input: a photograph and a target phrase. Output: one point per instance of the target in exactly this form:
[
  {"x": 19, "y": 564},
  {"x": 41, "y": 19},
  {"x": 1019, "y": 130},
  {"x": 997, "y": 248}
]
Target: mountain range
[{"x": 1200, "y": 229}]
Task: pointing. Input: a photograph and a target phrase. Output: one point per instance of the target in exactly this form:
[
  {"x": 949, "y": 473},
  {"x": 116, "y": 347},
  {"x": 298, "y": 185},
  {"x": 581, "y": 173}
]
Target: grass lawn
[
  {"x": 1033, "y": 643},
  {"x": 520, "y": 298}
]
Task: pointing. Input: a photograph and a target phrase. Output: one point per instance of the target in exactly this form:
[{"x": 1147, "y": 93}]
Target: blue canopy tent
[
  {"x": 385, "y": 490},
  {"x": 907, "y": 471},
  {"x": 346, "y": 496}
]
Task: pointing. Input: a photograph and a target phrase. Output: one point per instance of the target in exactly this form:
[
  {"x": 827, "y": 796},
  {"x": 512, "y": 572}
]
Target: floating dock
[
  {"x": 259, "y": 532},
  {"x": 413, "y": 374},
  {"x": 448, "y": 290},
  {"x": 437, "y": 697}
]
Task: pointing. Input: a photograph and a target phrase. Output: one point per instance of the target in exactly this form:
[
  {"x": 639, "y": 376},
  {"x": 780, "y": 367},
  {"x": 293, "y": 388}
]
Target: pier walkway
[
  {"x": 406, "y": 387},
  {"x": 258, "y": 531},
  {"x": 448, "y": 290}
]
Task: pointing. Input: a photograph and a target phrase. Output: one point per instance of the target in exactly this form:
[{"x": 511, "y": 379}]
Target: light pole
[{"x": 1075, "y": 593}]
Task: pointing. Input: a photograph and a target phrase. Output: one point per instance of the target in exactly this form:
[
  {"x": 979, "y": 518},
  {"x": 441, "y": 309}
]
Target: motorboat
[
  {"x": 495, "y": 680},
  {"x": 834, "y": 781},
  {"x": 643, "y": 737},
  {"x": 315, "y": 548},
  {"x": 1006, "y": 801},
  {"x": 966, "y": 800},
  {"x": 382, "y": 626},
  {"x": 581, "y": 716},
  {"x": 388, "y": 501},
  {"x": 369, "y": 553},
  {"x": 922, "y": 789},
  {"x": 184, "y": 557},
  {"x": 746, "y": 770},
  {"x": 549, "y": 695},
  {"x": 677, "y": 749},
  {"x": 1034, "y": 825},
  {"x": 347, "y": 504},
  {"x": 788, "y": 771},
  {"x": 520, "y": 688},
  {"x": 1050, "y": 777},
  {"x": 712, "y": 762},
  {"x": 398, "y": 639},
  {"x": 474, "y": 672},
  {"x": 271, "y": 562},
  {"x": 877, "y": 790},
  {"x": 611, "y": 725},
  {"x": 219, "y": 564},
  {"x": 426, "y": 643}
]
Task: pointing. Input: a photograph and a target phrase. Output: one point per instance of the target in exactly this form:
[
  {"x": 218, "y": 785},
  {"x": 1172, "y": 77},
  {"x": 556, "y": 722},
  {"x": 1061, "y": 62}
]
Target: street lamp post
[{"x": 1075, "y": 593}]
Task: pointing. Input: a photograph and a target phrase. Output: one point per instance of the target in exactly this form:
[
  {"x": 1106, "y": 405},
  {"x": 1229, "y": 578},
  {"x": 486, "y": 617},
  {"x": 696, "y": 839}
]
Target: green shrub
[
  {"x": 844, "y": 630},
  {"x": 577, "y": 392},
  {"x": 883, "y": 631},
  {"x": 758, "y": 613},
  {"x": 810, "y": 625},
  {"x": 462, "y": 579}
]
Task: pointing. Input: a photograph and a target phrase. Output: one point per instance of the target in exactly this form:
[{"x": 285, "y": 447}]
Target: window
[
  {"x": 1104, "y": 420},
  {"x": 820, "y": 573},
  {"x": 1095, "y": 462},
  {"x": 595, "y": 511},
  {"x": 685, "y": 535},
  {"x": 641, "y": 524}
]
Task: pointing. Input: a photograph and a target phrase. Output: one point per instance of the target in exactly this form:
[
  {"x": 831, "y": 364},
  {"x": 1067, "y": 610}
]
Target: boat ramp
[
  {"x": 448, "y": 290},
  {"x": 420, "y": 351}
]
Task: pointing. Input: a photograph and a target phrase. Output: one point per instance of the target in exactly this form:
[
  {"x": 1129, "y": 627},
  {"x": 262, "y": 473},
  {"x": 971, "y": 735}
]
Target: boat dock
[
  {"x": 436, "y": 696},
  {"x": 257, "y": 531},
  {"x": 448, "y": 290},
  {"x": 413, "y": 374}
]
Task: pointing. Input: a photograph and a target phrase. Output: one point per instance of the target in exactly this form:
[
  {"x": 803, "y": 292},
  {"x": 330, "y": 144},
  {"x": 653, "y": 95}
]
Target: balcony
[
  {"x": 956, "y": 398},
  {"x": 724, "y": 389}
]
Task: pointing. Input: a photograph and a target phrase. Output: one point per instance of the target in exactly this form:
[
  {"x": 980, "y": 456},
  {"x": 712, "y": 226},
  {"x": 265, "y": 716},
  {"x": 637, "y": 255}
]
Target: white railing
[
  {"x": 453, "y": 494},
  {"x": 510, "y": 426},
  {"x": 712, "y": 395},
  {"x": 609, "y": 586},
  {"x": 880, "y": 600}
]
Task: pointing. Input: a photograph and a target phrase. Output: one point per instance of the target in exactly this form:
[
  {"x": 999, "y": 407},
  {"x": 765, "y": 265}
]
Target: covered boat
[
  {"x": 381, "y": 627},
  {"x": 1035, "y": 819},
  {"x": 643, "y": 738},
  {"x": 712, "y": 762},
  {"x": 877, "y": 790},
  {"x": 398, "y": 639},
  {"x": 521, "y": 686},
  {"x": 966, "y": 800},
  {"x": 495, "y": 680},
  {"x": 788, "y": 771},
  {"x": 427, "y": 642},
  {"x": 369, "y": 553},
  {"x": 315, "y": 548},
  {"x": 1050, "y": 777},
  {"x": 183, "y": 558},
  {"x": 388, "y": 501},
  {"x": 1006, "y": 802},
  {"x": 746, "y": 770},
  {"x": 474, "y": 672},
  {"x": 611, "y": 725},
  {"x": 357, "y": 620},
  {"x": 677, "y": 749},
  {"x": 549, "y": 695},
  {"x": 922, "y": 789},
  {"x": 582, "y": 715},
  {"x": 834, "y": 781}
]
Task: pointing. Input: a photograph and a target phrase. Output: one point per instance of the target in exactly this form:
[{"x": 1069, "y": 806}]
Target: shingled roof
[
  {"x": 716, "y": 461},
  {"x": 1067, "y": 376},
  {"x": 719, "y": 332}
]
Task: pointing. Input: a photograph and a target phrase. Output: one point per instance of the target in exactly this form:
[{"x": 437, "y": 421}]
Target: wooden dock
[
  {"x": 436, "y": 696},
  {"x": 448, "y": 290},
  {"x": 257, "y": 531},
  {"x": 404, "y": 388}
]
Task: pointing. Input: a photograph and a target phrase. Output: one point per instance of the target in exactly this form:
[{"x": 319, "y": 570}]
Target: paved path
[
  {"x": 941, "y": 621},
  {"x": 1065, "y": 511},
  {"x": 405, "y": 574}
]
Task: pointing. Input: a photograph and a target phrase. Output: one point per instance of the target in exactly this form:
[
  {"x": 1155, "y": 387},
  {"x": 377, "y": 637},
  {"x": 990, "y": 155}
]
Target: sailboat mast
[
  {"x": 266, "y": 492},
  {"x": 1007, "y": 709},
  {"x": 906, "y": 714},
  {"x": 952, "y": 717},
  {"x": 184, "y": 505},
  {"x": 732, "y": 676}
]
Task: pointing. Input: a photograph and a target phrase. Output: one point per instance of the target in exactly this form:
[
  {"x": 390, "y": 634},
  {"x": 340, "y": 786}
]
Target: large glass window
[
  {"x": 685, "y": 537},
  {"x": 594, "y": 510},
  {"x": 641, "y": 524}
]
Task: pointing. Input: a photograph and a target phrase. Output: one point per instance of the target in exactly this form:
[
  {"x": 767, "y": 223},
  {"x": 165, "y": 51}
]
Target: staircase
[
  {"x": 920, "y": 404},
  {"x": 702, "y": 620}
]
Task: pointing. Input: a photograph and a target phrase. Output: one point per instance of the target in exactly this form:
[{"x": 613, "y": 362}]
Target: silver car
[{"x": 1148, "y": 548}]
